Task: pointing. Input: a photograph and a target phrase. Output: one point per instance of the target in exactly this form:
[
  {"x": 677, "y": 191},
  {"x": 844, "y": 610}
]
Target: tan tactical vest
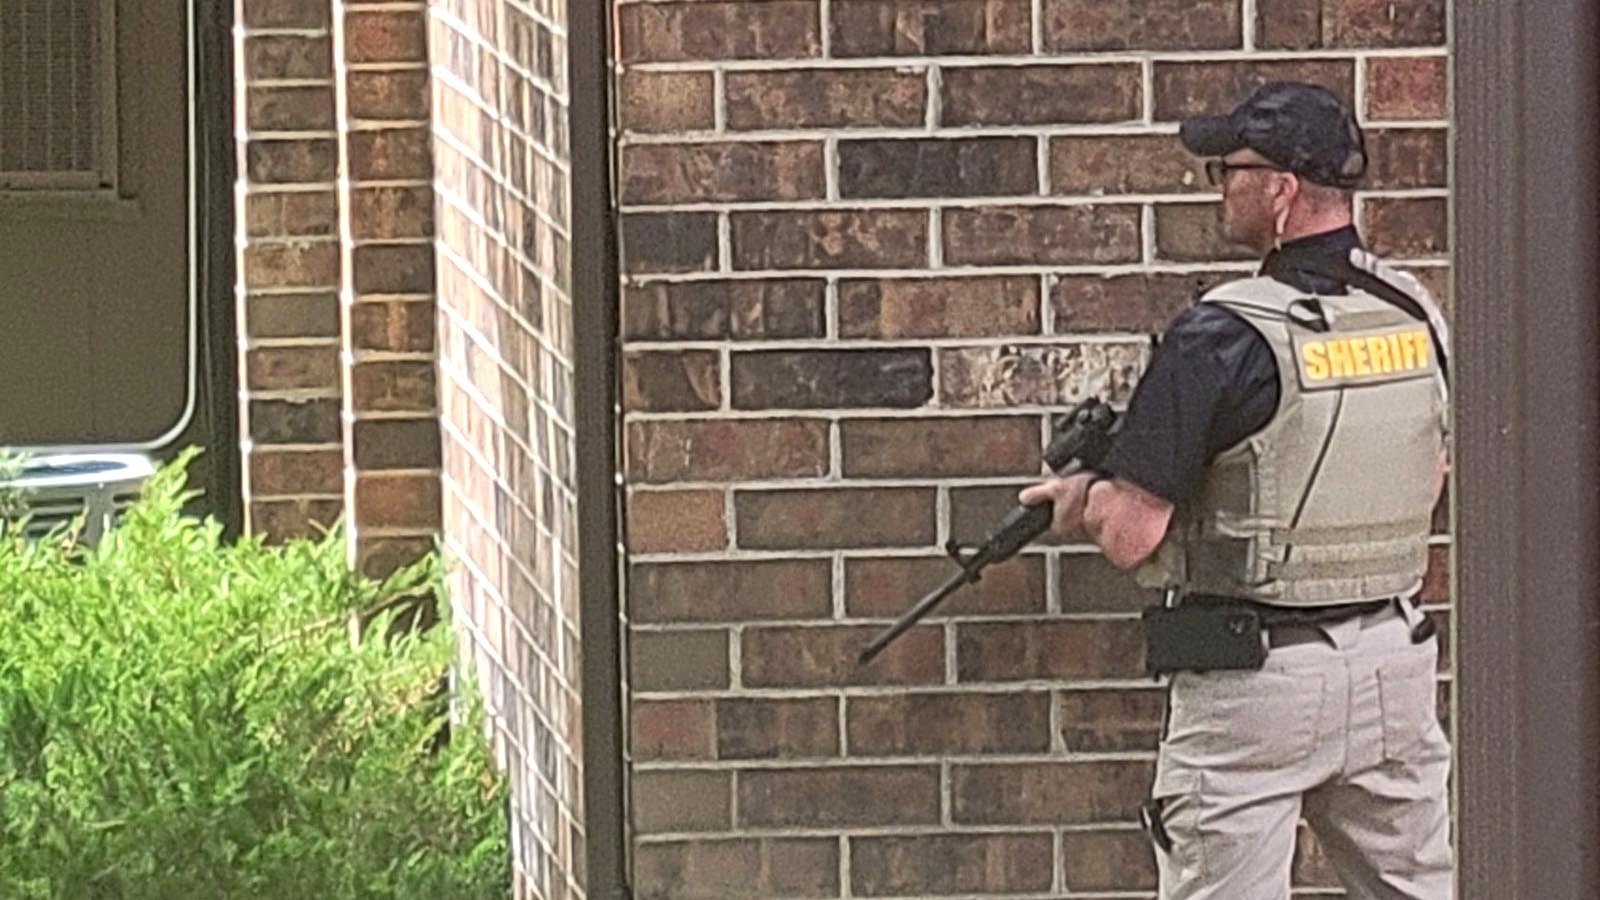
[{"x": 1332, "y": 501}]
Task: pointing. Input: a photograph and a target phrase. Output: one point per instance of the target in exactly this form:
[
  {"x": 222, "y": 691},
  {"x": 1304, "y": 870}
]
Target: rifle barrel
[{"x": 915, "y": 613}]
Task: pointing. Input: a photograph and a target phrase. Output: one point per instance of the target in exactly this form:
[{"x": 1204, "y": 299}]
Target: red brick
[
  {"x": 939, "y": 167},
  {"x": 1195, "y": 88},
  {"x": 825, "y": 656},
  {"x": 291, "y": 265},
  {"x": 390, "y": 153},
  {"x": 724, "y": 310},
  {"x": 826, "y": 98},
  {"x": 929, "y": 724},
  {"x": 929, "y": 27},
  {"x": 1087, "y": 582},
  {"x": 676, "y": 521},
  {"x": 734, "y": 869},
  {"x": 1108, "y": 861},
  {"x": 706, "y": 173},
  {"x": 672, "y": 381},
  {"x": 1309, "y": 24},
  {"x": 1042, "y": 235},
  {"x": 681, "y": 801},
  {"x": 277, "y": 472},
  {"x": 290, "y": 368},
  {"x": 398, "y": 326},
  {"x": 940, "y": 447},
  {"x": 1146, "y": 303},
  {"x": 1079, "y": 25},
  {"x": 669, "y": 242},
  {"x": 830, "y": 239},
  {"x": 786, "y": 729},
  {"x": 1041, "y": 95},
  {"x": 673, "y": 730},
  {"x": 1401, "y": 158},
  {"x": 399, "y": 94},
  {"x": 296, "y": 161},
  {"x": 386, "y": 36},
  {"x": 1024, "y": 651},
  {"x": 885, "y": 588},
  {"x": 285, "y": 56},
  {"x": 394, "y": 387},
  {"x": 830, "y": 518},
  {"x": 286, "y": 14},
  {"x": 1050, "y": 793},
  {"x": 396, "y": 443},
  {"x": 709, "y": 30},
  {"x": 928, "y": 865},
  {"x": 726, "y": 450},
  {"x": 313, "y": 213},
  {"x": 1436, "y": 586},
  {"x": 383, "y": 213},
  {"x": 1012, "y": 375},
  {"x": 939, "y": 307},
  {"x": 295, "y": 421},
  {"x": 1192, "y": 232},
  {"x": 731, "y": 591},
  {"x": 397, "y": 501},
  {"x": 677, "y": 661},
  {"x": 278, "y": 521},
  {"x": 299, "y": 108},
  {"x": 393, "y": 269},
  {"x": 975, "y": 511},
  {"x": 665, "y": 102},
  {"x": 830, "y": 379},
  {"x": 1412, "y": 87},
  {"x": 1124, "y": 164},
  {"x": 1406, "y": 226},
  {"x": 1107, "y": 721},
  {"x": 845, "y": 797}
]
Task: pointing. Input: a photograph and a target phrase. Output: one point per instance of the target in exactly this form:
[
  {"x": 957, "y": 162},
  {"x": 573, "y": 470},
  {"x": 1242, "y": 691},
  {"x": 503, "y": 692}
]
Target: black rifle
[{"x": 1082, "y": 436}]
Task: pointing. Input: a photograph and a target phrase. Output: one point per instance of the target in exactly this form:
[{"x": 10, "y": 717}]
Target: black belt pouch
[{"x": 1202, "y": 637}]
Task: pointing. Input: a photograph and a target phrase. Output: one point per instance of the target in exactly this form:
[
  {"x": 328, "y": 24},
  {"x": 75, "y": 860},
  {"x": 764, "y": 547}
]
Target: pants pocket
[
  {"x": 1407, "y": 690},
  {"x": 1171, "y": 820},
  {"x": 1245, "y": 720}
]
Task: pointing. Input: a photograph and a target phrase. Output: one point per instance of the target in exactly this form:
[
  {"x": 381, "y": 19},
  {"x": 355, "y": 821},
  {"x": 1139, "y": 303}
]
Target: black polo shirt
[{"x": 1212, "y": 382}]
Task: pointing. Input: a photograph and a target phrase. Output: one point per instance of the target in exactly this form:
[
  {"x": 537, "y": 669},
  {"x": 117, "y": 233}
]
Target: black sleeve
[{"x": 1212, "y": 382}]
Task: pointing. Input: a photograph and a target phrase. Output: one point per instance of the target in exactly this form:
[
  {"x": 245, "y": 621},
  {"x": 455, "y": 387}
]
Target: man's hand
[{"x": 1069, "y": 495}]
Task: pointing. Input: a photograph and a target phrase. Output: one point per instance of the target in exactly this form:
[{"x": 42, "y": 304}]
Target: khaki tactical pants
[{"x": 1342, "y": 732}]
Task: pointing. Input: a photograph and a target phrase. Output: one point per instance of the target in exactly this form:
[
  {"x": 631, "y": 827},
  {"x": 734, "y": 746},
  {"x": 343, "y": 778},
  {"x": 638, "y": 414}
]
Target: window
[{"x": 58, "y": 95}]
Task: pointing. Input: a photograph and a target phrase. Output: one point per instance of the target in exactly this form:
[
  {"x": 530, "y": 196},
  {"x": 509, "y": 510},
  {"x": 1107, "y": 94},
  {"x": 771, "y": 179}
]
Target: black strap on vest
[{"x": 1339, "y": 268}]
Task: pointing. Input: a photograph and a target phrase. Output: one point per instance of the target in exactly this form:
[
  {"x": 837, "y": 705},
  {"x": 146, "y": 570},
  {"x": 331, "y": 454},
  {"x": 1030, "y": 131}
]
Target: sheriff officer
[{"x": 1276, "y": 472}]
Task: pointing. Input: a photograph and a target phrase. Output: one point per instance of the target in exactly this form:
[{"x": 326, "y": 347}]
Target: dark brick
[
  {"x": 730, "y": 591},
  {"x": 394, "y": 387},
  {"x": 396, "y": 444},
  {"x": 383, "y": 556},
  {"x": 302, "y": 518},
  {"x": 1124, "y": 164},
  {"x": 864, "y": 796},
  {"x": 313, "y": 213},
  {"x": 940, "y": 448},
  {"x": 1088, "y": 582},
  {"x": 830, "y": 379},
  {"x": 1108, "y": 861},
  {"x": 1147, "y": 303},
  {"x": 1011, "y": 651},
  {"x": 296, "y": 265},
  {"x": 285, "y": 56},
  {"x": 1042, "y": 235},
  {"x": 1051, "y": 793},
  {"x": 286, "y": 14},
  {"x": 885, "y": 588},
  {"x": 387, "y": 213},
  {"x": 1079, "y": 25},
  {"x": 724, "y": 310},
  {"x": 1406, "y": 226},
  {"x": 386, "y": 36},
  {"x": 1311, "y": 24},
  {"x": 293, "y": 315},
  {"x": 397, "y": 326},
  {"x": 787, "y": 729},
  {"x": 681, "y": 801},
  {"x": 929, "y": 27},
  {"x": 1105, "y": 721},
  {"x": 830, "y": 239},
  {"x": 938, "y": 167},
  {"x": 814, "y": 657},
  {"x": 705, "y": 30},
  {"x": 1192, "y": 232},
  {"x": 295, "y": 421},
  {"x": 1041, "y": 95},
  {"x": 676, "y": 521},
  {"x": 307, "y": 108},
  {"x": 1194, "y": 88},
  {"x": 397, "y": 501},
  {"x": 669, "y": 242},
  {"x": 665, "y": 102},
  {"x": 833, "y": 518},
  {"x": 678, "y": 661},
  {"x": 275, "y": 472},
  {"x": 737, "y": 869},
  {"x": 939, "y": 307},
  {"x": 1400, "y": 158},
  {"x": 1414, "y": 87},
  {"x": 390, "y": 153},
  {"x": 704, "y": 173},
  {"x": 673, "y": 730},
  {"x": 940, "y": 724},
  {"x": 297, "y": 161},
  {"x": 942, "y": 864},
  {"x": 974, "y": 512},
  {"x": 1013, "y": 375},
  {"x": 671, "y": 381},
  {"x": 388, "y": 95},
  {"x": 393, "y": 269},
  {"x": 826, "y": 98},
  {"x": 727, "y": 450}
]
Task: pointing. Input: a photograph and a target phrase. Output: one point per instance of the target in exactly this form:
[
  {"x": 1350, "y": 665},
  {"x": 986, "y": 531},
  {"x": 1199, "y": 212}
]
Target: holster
[{"x": 1203, "y": 637}]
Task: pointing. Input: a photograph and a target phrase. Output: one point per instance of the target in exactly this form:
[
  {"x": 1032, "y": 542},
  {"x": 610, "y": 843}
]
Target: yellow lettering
[
  {"x": 1315, "y": 355},
  {"x": 1339, "y": 357},
  {"x": 1358, "y": 355},
  {"x": 1395, "y": 356},
  {"x": 1408, "y": 349},
  {"x": 1378, "y": 350},
  {"x": 1420, "y": 338}
]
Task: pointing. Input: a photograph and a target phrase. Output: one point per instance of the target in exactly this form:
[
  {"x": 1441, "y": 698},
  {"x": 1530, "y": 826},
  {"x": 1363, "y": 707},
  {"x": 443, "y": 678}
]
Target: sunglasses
[{"x": 1217, "y": 170}]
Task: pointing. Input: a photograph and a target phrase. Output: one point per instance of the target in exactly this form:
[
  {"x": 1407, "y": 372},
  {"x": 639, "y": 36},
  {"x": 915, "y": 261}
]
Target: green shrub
[{"x": 184, "y": 719}]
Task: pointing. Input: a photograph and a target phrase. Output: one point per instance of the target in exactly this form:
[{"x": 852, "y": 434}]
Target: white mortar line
[{"x": 1077, "y": 58}]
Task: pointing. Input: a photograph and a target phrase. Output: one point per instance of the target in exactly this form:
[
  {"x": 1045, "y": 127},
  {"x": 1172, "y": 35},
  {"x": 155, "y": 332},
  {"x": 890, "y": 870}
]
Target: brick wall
[
  {"x": 337, "y": 285},
  {"x": 506, "y": 385},
  {"x": 868, "y": 246}
]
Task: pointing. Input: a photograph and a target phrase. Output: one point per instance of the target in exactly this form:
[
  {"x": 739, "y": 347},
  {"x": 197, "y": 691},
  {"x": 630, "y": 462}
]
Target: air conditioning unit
[{"x": 59, "y": 487}]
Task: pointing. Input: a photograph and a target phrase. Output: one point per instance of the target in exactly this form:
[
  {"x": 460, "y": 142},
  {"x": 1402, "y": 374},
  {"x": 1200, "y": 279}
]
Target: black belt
[{"x": 1287, "y": 626}]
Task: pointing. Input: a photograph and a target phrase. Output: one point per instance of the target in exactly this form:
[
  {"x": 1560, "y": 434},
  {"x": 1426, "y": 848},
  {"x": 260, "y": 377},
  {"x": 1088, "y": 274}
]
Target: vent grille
[{"x": 57, "y": 95}]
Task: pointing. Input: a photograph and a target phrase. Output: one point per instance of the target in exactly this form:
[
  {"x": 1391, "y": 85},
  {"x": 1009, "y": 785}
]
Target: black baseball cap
[{"x": 1305, "y": 128}]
